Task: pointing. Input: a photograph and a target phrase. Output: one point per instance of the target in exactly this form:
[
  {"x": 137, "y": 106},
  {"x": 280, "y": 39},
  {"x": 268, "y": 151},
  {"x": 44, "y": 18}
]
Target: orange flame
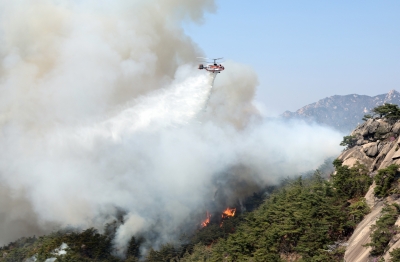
[
  {"x": 206, "y": 221},
  {"x": 228, "y": 212}
]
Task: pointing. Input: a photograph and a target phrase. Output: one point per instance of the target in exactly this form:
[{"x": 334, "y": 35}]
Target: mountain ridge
[{"x": 342, "y": 112}]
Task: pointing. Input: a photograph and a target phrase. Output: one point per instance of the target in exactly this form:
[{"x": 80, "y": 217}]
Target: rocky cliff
[
  {"x": 342, "y": 112},
  {"x": 377, "y": 146}
]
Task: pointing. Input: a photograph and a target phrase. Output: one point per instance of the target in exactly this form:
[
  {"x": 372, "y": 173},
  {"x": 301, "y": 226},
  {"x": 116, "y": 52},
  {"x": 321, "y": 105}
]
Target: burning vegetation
[
  {"x": 227, "y": 213},
  {"x": 206, "y": 221}
]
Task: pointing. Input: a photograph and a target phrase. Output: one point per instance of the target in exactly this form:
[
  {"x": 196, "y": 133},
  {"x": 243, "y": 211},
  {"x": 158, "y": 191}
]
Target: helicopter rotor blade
[
  {"x": 209, "y": 60},
  {"x": 203, "y": 58}
]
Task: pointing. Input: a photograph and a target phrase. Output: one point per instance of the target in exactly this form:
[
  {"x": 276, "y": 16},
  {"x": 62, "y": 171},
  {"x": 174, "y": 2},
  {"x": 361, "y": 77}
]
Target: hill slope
[
  {"x": 377, "y": 148},
  {"x": 352, "y": 216}
]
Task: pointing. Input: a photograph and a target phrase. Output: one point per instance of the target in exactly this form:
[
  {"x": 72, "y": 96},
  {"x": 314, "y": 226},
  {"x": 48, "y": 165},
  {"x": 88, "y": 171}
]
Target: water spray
[{"x": 214, "y": 69}]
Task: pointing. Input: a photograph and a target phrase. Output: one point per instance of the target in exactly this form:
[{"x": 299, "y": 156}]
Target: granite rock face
[
  {"x": 342, "y": 112},
  {"x": 377, "y": 147}
]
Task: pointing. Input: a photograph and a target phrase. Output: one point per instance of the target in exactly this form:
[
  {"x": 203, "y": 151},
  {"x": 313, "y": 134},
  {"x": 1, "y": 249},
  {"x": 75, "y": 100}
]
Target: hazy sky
[{"x": 304, "y": 51}]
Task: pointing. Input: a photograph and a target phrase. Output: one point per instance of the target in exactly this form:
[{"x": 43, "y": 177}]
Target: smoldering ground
[{"x": 102, "y": 109}]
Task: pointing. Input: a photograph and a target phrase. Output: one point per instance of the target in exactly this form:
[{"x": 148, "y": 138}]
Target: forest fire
[
  {"x": 206, "y": 221},
  {"x": 228, "y": 212}
]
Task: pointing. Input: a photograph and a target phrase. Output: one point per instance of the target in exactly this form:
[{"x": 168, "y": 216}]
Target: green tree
[
  {"x": 357, "y": 212},
  {"x": 133, "y": 250},
  {"x": 166, "y": 253},
  {"x": 300, "y": 220},
  {"x": 384, "y": 229},
  {"x": 349, "y": 141},
  {"x": 351, "y": 182},
  {"x": 384, "y": 180},
  {"x": 388, "y": 111},
  {"x": 366, "y": 117},
  {"x": 395, "y": 255}
]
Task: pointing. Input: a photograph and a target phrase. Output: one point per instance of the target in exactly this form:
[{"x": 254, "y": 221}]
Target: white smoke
[{"x": 102, "y": 109}]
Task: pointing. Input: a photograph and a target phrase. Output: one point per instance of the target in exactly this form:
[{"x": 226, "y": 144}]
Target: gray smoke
[{"x": 102, "y": 109}]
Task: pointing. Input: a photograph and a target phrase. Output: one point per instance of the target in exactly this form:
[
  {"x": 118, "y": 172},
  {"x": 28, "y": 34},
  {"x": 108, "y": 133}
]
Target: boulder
[
  {"x": 380, "y": 145},
  {"x": 361, "y": 127},
  {"x": 355, "y": 154},
  {"x": 391, "y": 155},
  {"x": 371, "y": 149},
  {"x": 396, "y": 128},
  {"x": 384, "y": 127},
  {"x": 370, "y": 128},
  {"x": 382, "y": 154},
  {"x": 361, "y": 142}
]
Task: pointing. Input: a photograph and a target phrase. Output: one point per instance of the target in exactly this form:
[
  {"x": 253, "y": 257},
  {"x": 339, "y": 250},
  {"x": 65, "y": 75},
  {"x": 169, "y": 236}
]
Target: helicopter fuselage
[{"x": 213, "y": 68}]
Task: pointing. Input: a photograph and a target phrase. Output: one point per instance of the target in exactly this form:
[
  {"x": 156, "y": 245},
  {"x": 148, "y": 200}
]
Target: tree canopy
[
  {"x": 304, "y": 220},
  {"x": 388, "y": 111}
]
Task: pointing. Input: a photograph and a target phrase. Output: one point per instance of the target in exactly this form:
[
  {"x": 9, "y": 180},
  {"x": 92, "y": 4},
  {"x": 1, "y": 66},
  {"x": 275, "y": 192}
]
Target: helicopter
[{"x": 212, "y": 67}]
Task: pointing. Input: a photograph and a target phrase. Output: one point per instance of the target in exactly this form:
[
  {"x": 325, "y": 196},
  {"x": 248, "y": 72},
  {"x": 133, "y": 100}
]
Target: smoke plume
[{"x": 102, "y": 109}]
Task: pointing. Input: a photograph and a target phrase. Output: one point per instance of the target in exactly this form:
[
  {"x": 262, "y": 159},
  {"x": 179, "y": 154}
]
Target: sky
[{"x": 304, "y": 51}]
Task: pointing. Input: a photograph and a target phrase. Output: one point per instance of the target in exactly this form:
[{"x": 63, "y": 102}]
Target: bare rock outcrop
[
  {"x": 377, "y": 142},
  {"x": 396, "y": 128},
  {"x": 371, "y": 149},
  {"x": 377, "y": 146},
  {"x": 356, "y": 252}
]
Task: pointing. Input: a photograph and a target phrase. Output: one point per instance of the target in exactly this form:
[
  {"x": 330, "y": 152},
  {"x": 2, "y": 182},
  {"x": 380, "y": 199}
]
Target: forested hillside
[
  {"x": 352, "y": 215},
  {"x": 307, "y": 218}
]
